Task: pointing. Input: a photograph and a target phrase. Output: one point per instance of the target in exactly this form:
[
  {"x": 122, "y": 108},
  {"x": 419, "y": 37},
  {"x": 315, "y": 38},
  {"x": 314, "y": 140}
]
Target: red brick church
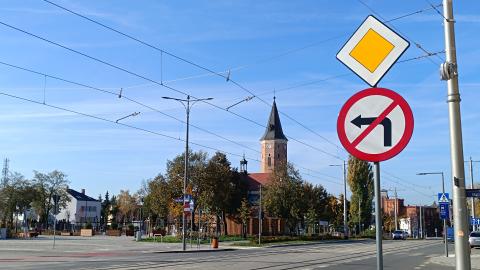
[{"x": 274, "y": 152}]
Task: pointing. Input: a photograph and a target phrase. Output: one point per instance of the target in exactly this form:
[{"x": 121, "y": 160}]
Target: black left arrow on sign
[{"x": 386, "y": 123}]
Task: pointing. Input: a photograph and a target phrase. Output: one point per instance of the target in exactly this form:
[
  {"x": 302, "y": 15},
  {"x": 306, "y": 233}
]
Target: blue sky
[{"x": 268, "y": 45}]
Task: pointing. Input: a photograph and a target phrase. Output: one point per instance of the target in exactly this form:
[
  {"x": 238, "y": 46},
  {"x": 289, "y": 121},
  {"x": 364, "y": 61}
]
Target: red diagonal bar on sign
[{"x": 375, "y": 123}]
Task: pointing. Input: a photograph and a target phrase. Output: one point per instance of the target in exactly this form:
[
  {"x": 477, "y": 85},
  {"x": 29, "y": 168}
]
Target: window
[{"x": 269, "y": 161}]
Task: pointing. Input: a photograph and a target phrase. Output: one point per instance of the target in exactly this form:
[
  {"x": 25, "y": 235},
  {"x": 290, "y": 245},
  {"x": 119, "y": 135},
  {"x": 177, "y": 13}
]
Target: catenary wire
[
  {"x": 146, "y": 106},
  {"x": 221, "y": 73},
  {"x": 150, "y": 80}
]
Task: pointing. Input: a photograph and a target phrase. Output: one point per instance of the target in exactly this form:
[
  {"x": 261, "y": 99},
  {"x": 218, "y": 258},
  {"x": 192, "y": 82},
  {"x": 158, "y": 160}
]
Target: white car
[
  {"x": 398, "y": 234},
  {"x": 474, "y": 239}
]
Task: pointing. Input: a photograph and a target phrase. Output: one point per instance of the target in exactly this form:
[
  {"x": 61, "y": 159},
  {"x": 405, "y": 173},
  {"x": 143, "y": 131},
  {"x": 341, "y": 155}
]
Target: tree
[
  {"x": 159, "y": 197},
  {"x": 360, "y": 180},
  {"x": 334, "y": 211},
  {"x": 46, "y": 185},
  {"x": 105, "y": 210},
  {"x": 244, "y": 214},
  {"x": 16, "y": 196},
  {"x": 126, "y": 205},
  {"x": 282, "y": 193}
]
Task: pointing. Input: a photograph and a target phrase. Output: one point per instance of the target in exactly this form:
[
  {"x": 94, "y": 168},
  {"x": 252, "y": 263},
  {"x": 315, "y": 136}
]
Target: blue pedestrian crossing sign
[
  {"x": 443, "y": 197},
  {"x": 443, "y": 205}
]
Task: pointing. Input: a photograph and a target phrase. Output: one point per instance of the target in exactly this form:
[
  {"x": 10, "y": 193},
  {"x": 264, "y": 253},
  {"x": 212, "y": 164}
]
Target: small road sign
[
  {"x": 443, "y": 197},
  {"x": 372, "y": 50},
  {"x": 444, "y": 205},
  {"x": 375, "y": 124},
  {"x": 474, "y": 221},
  {"x": 475, "y": 193}
]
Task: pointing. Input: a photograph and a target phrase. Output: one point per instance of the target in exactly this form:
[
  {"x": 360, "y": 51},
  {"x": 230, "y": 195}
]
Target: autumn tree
[
  {"x": 360, "y": 180},
  {"x": 127, "y": 204}
]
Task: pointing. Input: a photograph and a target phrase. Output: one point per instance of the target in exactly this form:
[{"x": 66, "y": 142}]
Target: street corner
[{"x": 450, "y": 260}]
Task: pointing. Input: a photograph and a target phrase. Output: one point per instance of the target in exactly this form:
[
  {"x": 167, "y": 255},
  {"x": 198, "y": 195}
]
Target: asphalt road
[{"x": 123, "y": 253}]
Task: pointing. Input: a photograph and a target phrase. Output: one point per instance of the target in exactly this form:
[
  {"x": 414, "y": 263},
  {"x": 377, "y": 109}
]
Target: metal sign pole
[
  {"x": 450, "y": 74},
  {"x": 378, "y": 216}
]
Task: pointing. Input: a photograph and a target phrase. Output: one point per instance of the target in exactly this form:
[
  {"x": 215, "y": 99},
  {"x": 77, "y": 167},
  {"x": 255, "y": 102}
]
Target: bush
[
  {"x": 131, "y": 227},
  {"x": 114, "y": 226},
  {"x": 88, "y": 226}
]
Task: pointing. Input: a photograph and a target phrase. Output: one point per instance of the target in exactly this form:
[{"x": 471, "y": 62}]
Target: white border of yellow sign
[{"x": 400, "y": 45}]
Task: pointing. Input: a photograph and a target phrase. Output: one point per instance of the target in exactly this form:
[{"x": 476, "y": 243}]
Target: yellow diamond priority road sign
[{"x": 372, "y": 50}]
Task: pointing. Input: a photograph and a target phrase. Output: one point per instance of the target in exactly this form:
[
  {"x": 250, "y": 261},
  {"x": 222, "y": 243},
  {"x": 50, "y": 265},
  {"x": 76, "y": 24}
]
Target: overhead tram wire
[
  {"x": 145, "y": 78},
  {"x": 121, "y": 124},
  {"x": 155, "y": 133},
  {"x": 126, "y": 98},
  {"x": 418, "y": 45},
  {"x": 148, "y": 107},
  {"x": 227, "y": 77}
]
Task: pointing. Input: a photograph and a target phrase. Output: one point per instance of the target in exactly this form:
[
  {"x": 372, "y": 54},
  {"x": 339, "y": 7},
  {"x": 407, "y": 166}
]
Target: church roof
[
  {"x": 254, "y": 180},
  {"x": 274, "y": 127}
]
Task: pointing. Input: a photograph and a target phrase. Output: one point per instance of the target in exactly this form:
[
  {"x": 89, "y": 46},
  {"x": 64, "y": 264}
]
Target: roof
[
  {"x": 274, "y": 127},
  {"x": 80, "y": 196},
  {"x": 254, "y": 180}
]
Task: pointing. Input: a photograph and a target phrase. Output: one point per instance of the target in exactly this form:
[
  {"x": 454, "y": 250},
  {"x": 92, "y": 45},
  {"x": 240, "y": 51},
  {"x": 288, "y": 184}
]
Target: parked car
[
  {"x": 474, "y": 239},
  {"x": 399, "y": 235}
]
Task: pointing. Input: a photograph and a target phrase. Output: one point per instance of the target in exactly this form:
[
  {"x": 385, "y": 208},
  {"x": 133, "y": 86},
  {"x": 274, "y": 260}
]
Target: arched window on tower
[{"x": 269, "y": 161}]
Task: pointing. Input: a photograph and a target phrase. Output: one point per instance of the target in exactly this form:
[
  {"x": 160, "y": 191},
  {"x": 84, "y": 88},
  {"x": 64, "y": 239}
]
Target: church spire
[{"x": 274, "y": 126}]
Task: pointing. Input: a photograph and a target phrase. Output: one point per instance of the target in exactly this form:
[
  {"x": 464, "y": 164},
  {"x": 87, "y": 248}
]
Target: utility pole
[
  {"x": 449, "y": 73},
  {"x": 445, "y": 240},
  {"x": 472, "y": 186},
  {"x": 359, "y": 215},
  {"x": 345, "y": 224},
  {"x": 260, "y": 217},
  {"x": 186, "y": 104},
  {"x": 396, "y": 209},
  {"x": 421, "y": 223}
]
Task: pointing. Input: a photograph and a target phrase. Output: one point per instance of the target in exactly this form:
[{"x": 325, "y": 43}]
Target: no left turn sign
[{"x": 375, "y": 124}]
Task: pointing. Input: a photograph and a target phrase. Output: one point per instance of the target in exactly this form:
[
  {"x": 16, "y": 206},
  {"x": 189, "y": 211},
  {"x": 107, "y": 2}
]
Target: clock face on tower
[{"x": 269, "y": 146}]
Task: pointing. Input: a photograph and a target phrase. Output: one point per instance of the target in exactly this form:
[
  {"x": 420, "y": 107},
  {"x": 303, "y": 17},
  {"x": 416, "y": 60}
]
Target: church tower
[{"x": 274, "y": 143}]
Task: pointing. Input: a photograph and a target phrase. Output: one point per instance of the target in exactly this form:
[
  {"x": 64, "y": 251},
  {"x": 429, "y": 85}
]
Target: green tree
[
  {"x": 314, "y": 202},
  {"x": 360, "y": 180},
  {"x": 282, "y": 194},
  {"x": 46, "y": 185},
  {"x": 16, "y": 196},
  {"x": 244, "y": 214},
  {"x": 159, "y": 197}
]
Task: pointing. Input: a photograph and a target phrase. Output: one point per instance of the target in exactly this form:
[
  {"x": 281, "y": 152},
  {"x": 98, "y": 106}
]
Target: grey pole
[
  {"x": 396, "y": 201},
  {"x": 359, "y": 215},
  {"x": 421, "y": 222},
  {"x": 345, "y": 225},
  {"x": 260, "y": 217},
  {"x": 462, "y": 249},
  {"x": 472, "y": 199},
  {"x": 378, "y": 217},
  {"x": 444, "y": 222},
  {"x": 185, "y": 177}
]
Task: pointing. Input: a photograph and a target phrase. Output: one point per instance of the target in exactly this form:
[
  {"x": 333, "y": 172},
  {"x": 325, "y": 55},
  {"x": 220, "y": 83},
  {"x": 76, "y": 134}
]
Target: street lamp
[
  {"x": 444, "y": 221},
  {"x": 345, "y": 225},
  {"x": 186, "y": 104}
]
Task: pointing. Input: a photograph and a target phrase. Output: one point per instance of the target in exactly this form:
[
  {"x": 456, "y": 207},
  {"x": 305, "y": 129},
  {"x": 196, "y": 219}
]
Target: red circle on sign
[{"x": 394, "y": 150}]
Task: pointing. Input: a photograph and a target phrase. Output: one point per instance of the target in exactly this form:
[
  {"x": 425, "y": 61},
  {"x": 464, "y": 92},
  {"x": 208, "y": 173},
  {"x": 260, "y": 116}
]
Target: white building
[{"x": 81, "y": 209}]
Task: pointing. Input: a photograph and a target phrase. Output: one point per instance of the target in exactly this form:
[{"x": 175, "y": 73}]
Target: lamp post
[
  {"x": 345, "y": 225},
  {"x": 444, "y": 221},
  {"x": 187, "y": 104}
]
